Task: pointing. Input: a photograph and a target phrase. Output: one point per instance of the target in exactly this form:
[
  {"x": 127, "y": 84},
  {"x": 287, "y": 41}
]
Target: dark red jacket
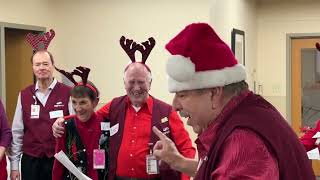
[{"x": 256, "y": 114}]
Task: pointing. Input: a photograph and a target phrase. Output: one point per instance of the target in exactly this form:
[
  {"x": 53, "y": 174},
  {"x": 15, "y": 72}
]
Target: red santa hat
[{"x": 200, "y": 59}]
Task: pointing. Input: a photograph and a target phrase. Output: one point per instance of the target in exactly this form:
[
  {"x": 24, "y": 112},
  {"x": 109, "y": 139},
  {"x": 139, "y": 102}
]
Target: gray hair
[{"x": 228, "y": 90}]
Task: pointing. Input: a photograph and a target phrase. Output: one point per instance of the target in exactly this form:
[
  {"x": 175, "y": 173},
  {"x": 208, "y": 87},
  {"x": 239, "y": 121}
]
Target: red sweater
[{"x": 89, "y": 133}]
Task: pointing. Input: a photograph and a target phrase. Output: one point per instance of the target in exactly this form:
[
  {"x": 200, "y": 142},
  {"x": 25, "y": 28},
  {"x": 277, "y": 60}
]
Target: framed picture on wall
[{"x": 238, "y": 45}]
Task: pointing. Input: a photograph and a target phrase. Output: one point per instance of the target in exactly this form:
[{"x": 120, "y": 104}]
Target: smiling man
[
  {"x": 240, "y": 135},
  {"x": 38, "y": 106}
]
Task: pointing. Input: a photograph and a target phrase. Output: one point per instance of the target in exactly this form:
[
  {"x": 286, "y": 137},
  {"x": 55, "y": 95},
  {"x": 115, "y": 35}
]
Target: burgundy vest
[
  {"x": 258, "y": 115},
  {"x": 117, "y": 114},
  {"x": 38, "y": 140}
]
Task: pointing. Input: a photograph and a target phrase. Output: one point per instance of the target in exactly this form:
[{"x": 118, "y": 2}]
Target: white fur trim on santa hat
[
  {"x": 182, "y": 77},
  {"x": 180, "y": 67}
]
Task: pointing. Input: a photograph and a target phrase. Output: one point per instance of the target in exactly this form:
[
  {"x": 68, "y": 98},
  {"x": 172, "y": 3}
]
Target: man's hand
[
  {"x": 165, "y": 149},
  {"x": 58, "y": 128},
  {"x": 15, "y": 175}
]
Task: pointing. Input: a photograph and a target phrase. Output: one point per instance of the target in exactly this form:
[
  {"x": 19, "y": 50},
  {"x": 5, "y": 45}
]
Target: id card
[
  {"x": 35, "y": 111},
  {"x": 56, "y": 114},
  {"x": 152, "y": 164},
  {"x": 99, "y": 159}
]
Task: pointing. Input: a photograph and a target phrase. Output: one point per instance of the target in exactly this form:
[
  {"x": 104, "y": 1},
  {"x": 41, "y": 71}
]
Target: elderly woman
[{"x": 5, "y": 140}]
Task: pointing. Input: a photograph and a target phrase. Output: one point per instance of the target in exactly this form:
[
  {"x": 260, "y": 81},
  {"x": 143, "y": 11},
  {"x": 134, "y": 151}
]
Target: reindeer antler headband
[
  {"x": 130, "y": 47},
  {"x": 83, "y": 73},
  {"x": 40, "y": 41}
]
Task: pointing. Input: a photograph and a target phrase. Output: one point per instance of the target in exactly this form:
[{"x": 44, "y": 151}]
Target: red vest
[
  {"x": 258, "y": 115},
  {"x": 38, "y": 140},
  {"x": 3, "y": 168},
  {"x": 117, "y": 114}
]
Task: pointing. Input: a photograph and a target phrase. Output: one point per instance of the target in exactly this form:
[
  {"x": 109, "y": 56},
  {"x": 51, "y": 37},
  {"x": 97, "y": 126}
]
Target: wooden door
[
  {"x": 305, "y": 86},
  {"x": 18, "y": 67}
]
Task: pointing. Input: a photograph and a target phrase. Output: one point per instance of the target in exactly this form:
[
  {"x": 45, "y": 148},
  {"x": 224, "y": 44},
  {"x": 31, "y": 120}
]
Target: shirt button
[
  {"x": 134, "y": 127},
  {"x": 132, "y": 169},
  {"x": 131, "y": 155},
  {"x": 132, "y": 141},
  {"x": 136, "y": 114}
]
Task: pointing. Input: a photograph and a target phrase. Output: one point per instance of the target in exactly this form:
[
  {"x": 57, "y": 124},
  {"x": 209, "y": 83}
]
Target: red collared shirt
[{"x": 136, "y": 136}]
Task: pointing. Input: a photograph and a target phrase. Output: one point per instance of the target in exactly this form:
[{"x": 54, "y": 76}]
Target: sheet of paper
[
  {"x": 317, "y": 135},
  {"x": 314, "y": 154},
  {"x": 64, "y": 160}
]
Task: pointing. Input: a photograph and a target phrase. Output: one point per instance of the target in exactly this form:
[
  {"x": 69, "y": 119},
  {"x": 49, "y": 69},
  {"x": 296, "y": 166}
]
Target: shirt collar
[
  {"x": 149, "y": 103},
  {"x": 54, "y": 82}
]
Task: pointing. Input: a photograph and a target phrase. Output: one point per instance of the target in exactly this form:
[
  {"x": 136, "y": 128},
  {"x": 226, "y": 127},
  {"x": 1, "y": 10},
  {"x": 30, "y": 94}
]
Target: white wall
[
  {"x": 275, "y": 20},
  {"x": 88, "y": 33},
  {"x": 239, "y": 14}
]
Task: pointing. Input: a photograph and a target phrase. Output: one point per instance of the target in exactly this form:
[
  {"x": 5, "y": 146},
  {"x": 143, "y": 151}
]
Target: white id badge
[
  {"x": 152, "y": 164},
  {"x": 105, "y": 126},
  {"x": 35, "y": 111},
  {"x": 56, "y": 114},
  {"x": 114, "y": 129}
]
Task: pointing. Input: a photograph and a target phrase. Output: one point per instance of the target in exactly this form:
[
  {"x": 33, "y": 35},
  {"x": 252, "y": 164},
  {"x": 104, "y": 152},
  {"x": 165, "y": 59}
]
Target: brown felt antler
[
  {"x": 147, "y": 48},
  {"x": 130, "y": 47},
  {"x": 40, "y": 41},
  {"x": 80, "y": 71}
]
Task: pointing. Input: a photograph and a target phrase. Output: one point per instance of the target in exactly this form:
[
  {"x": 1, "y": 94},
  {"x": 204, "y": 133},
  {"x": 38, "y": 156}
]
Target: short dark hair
[
  {"x": 82, "y": 91},
  {"x": 51, "y": 56}
]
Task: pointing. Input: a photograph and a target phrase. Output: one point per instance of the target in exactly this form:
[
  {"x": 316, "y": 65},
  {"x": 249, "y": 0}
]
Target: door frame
[
  {"x": 289, "y": 37},
  {"x": 3, "y": 26}
]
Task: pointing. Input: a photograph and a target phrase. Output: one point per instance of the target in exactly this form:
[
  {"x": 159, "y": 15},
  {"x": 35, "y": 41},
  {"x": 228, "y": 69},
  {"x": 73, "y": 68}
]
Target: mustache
[{"x": 183, "y": 114}]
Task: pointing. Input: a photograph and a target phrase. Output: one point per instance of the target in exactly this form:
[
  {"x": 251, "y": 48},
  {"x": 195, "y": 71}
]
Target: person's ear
[
  {"x": 96, "y": 102},
  {"x": 216, "y": 97}
]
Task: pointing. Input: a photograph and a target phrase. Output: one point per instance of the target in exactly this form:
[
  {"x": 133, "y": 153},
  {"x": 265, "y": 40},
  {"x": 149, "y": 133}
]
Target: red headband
[{"x": 88, "y": 86}]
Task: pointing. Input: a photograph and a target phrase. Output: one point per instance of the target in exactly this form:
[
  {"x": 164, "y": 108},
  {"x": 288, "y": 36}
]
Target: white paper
[
  {"x": 64, "y": 160},
  {"x": 314, "y": 154},
  {"x": 317, "y": 135},
  {"x": 114, "y": 129}
]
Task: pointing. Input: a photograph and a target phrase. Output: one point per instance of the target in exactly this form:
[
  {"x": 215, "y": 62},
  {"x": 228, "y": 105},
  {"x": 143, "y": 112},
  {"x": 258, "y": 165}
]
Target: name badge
[
  {"x": 99, "y": 159},
  {"x": 35, "y": 111},
  {"x": 105, "y": 126},
  {"x": 56, "y": 114},
  {"x": 114, "y": 129},
  {"x": 152, "y": 164}
]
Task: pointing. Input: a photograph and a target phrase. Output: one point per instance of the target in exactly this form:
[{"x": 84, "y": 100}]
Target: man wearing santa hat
[{"x": 240, "y": 134}]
